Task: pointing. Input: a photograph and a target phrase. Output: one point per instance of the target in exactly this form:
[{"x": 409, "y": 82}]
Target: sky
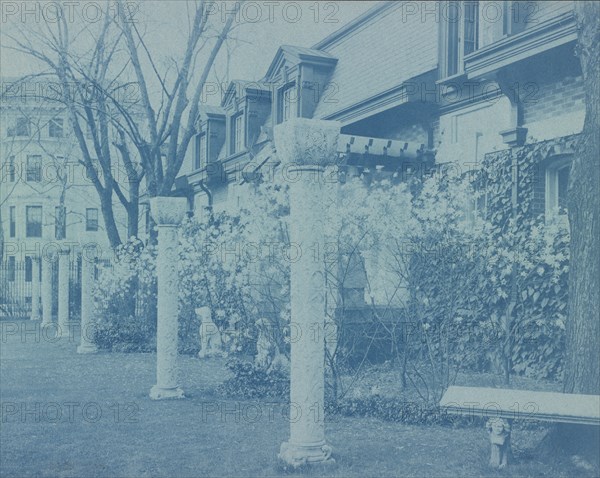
[{"x": 260, "y": 28}]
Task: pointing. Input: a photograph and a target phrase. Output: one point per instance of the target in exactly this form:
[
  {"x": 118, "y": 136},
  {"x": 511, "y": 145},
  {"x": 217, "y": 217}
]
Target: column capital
[
  {"x": 168, "y": 211},
  {"x": 64, "y": 250},
  {"x": 88, "y": 244},
  {"x": 307, "y": 142}
]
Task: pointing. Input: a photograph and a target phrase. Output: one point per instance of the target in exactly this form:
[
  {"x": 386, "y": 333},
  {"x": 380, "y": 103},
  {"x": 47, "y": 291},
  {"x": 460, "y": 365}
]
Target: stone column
[
  {"x": 63, "y": 291},
  {"x": 168, "y": 213},
  {"x": 88, "y": 264},
  {"x": 47, "y": 261},
  {"x": 305, "y": 147},
  {"x": 35, "y": 287}
]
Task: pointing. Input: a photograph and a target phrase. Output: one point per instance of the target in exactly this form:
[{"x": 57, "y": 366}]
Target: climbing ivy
[{"x": 527, "y": 259}]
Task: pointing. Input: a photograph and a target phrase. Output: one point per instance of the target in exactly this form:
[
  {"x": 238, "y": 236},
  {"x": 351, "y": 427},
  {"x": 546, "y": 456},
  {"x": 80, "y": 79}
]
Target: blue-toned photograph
[{"x": 278, "y": 239}]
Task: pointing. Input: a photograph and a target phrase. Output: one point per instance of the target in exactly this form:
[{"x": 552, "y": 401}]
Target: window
[
  {"x": 28, "y": 268},
  {"x": 515, "y": 16},
  {"x": 60, "y": 222},
  {"x": 237, "y": 133},
  {"x": 12, "y": 268},
  {"x": 557, "y": 183},
  {"x": 11, "y": 169},
  {"x": 55, "y": 128},
  {"x": 34, "y": 169},
  {"x": 288, "y": 99},
  {"x": 91, "y": 219},
  {"x": 21, "y": 127},
  {"x": 462, "y": 34},
  {"x": 12, "y": 213},
  {"x": 200, "y": 157},
  {"x": 33, "y": 221}
]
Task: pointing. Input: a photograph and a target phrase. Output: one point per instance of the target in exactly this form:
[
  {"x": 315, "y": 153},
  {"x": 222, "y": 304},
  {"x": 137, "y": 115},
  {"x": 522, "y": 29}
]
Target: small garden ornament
[
  {"x": 499, "y": 430},
  {"x": 210, "y": 337}
]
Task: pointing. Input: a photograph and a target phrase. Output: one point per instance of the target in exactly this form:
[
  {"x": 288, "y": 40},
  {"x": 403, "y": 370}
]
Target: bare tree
[{"x": 158, "y": 128}]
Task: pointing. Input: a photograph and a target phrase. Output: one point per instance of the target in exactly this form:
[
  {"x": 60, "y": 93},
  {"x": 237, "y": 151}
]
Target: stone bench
[{"x": 502, "y": 406}]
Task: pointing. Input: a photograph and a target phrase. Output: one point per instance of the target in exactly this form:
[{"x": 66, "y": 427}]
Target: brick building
[
  {"x": 46, "y": 197},
  {"x": 412, "y": 83}
]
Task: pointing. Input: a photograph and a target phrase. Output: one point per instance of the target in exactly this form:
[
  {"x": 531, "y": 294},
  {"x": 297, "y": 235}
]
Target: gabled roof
[
  {"x": 239, "y": 85},
  {"x": 296, "y": 54},
  {"x": 209, "y": 110}
]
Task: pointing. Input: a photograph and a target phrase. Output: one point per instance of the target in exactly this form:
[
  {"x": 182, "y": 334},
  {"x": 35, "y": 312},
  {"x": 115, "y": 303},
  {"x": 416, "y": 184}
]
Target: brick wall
[{"x": 553, "y": 99}]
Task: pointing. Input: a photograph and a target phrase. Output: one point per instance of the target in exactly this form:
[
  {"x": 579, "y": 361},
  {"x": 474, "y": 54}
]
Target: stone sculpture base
[
  {"x": 297, "y": 456},
  {"x": 158, "y": 393},
  {"x": 87, "y": 349}
]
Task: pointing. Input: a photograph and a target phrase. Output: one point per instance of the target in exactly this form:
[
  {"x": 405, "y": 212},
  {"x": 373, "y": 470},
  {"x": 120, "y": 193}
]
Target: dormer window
[
  {"x": 200, "y": 156},
  {"x": 462, "y": 32},
  {"x": 288, "y": 100},
  {"x": 237, "y": 133}
]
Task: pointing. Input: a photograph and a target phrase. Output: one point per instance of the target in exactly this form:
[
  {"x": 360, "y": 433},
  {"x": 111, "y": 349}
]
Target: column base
[
  {"x": 64, "y": 330},
  {"x": 296, "y": 456},
  {"x": 87, "y": 349},
  {"x": 159, "y": 393}
]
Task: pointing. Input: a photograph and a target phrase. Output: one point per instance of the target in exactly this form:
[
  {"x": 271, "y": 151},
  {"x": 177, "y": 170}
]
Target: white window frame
[
  {"x": 201, "y": 152},
  {"x": 551, "y": 190},
  {"x": 238, "y": 140},
  {"x": 461, "y": 6},
  {"x": 287, "y": 102}
]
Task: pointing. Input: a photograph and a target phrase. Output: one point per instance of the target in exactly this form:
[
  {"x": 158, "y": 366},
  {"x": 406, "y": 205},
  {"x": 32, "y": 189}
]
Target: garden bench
[{"x": 502, "y": 406}]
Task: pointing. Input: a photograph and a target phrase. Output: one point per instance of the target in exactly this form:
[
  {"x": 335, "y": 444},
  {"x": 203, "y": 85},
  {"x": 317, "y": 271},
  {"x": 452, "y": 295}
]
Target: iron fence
[
  {"x": 16, "y": 279},
  {"x": 16, "y": 287}
]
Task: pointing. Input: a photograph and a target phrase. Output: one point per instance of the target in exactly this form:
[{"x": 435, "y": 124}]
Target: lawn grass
[{"x": 203, "y": 435}]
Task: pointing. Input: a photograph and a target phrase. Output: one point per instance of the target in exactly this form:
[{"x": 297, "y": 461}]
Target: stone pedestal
[
  {"x": 168, "y": 213},
  {"x": 88, "y": 263},
  {"x": 305, "y": 147},
  {"x": 47, "y": 262},
  {"x": 35, "y": 288},
  {"x": 63, "y": 291}
]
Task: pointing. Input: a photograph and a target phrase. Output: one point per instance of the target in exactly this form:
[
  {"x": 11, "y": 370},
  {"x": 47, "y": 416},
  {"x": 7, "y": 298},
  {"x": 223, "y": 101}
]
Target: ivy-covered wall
[{"x": 531, "y": 255}]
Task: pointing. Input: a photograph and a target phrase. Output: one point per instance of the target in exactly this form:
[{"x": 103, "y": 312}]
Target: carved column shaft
[
  {"x": 47, "y": 262},
  {"x": 63, "y": 292},
  {"x": 305, "y": 147},
  {"x": 168, "y": 214},
  {"x": 308, "y": 310},
  {"x": 35, "y": 288},
  {"x": 88, "y": 262}
]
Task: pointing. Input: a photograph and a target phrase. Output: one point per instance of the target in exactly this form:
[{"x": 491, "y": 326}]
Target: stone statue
[
  {"x": 499, "y": 430},
  {"x": 268, "y": 355},
  {"x": 264, "y": 348},
  {"x": 210, "y": 338}
]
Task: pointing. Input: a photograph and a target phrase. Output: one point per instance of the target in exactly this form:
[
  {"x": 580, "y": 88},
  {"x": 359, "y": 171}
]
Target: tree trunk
[
  {"x": 133, "y": 209},
  {"x": 1, "y": 238},
  {"x": 582, "y": 360},
  {"x": 109, "y": 220}
]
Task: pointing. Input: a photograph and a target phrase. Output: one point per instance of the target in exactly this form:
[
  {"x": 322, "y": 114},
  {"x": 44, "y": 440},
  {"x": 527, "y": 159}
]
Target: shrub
[{"x": 252, "y": 381}]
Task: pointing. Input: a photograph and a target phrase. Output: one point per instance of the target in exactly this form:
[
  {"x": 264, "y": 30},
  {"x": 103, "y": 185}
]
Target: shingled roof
[{"x": 376, "y": 53}]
